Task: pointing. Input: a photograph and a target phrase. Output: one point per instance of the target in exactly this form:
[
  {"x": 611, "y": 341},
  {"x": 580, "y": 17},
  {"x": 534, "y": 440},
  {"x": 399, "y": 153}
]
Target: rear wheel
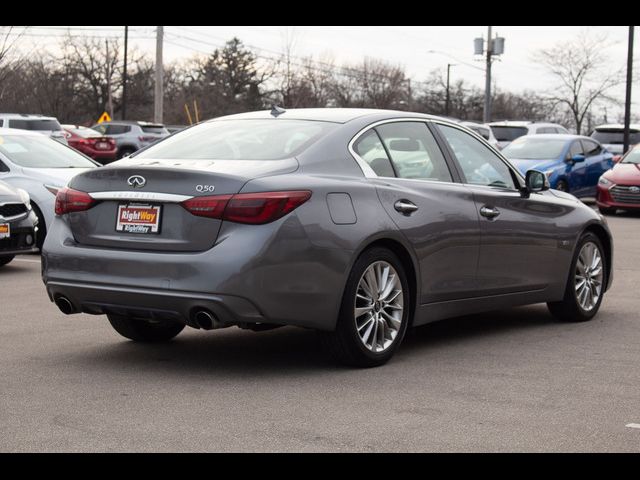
[
  {"x": 586, "y": 283},
  {"x": 125, "y": 151},
  {"x": 6, "y": 259},
  {"x": 562, "y": 186},
  {"x": 374, "y": 313},
  {"x": 141, "y": 330}
]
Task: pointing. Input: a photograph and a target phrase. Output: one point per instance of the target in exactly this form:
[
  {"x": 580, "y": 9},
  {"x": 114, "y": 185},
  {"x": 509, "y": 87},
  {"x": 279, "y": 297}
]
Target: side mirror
[
  {"x": 536, "y": 181},
  {"x": 578, "y": 158}
]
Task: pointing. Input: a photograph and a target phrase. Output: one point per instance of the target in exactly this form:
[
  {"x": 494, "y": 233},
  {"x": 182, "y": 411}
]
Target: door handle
[
  {"x": 405, "y": 207},
  {"x": 489, "y": 212}
]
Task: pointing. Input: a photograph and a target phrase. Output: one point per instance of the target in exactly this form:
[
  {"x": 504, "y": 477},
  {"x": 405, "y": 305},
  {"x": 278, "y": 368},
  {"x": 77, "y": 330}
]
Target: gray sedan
[{"x": 355, "y": 223}]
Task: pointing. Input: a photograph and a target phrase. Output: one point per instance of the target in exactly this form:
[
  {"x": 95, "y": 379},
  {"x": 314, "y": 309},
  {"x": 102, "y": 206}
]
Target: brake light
[
  {"x": 70, "y": 200},
  {"x": 147, "y": 139},
  {"x": 249, "y": 208},
  {"x": 211, "y": 207}
]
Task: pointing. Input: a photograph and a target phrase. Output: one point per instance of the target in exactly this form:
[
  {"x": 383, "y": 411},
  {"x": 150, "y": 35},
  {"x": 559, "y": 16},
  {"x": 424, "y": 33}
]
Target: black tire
[
  {"x": 562, "y": 186},
  {"x": 568, "y": 309},
  {"x": 6, "y": 259},
  {"x": 344, "y": 344},
  {"x": 124, "y": 151},
  {"x": 148, "y": 331},
  {"x": 607, "y": 211},
  {"x": 42, "y": 226}
]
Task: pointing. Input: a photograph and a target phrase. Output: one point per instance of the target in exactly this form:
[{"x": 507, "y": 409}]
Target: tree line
[{"x": 85, "y": 78}]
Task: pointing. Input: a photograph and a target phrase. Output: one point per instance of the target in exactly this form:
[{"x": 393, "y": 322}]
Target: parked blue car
[{"x": 572, "y": 163}]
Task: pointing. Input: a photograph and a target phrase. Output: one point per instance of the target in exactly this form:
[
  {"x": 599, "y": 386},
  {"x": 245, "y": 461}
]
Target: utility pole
[
  {"x": 627, "y": 103},
  {"x": 157, "y": 110},
  {"x": 487, "y": 84},
  {"x": 109, "y": 99},
  {"x": 124, "y": 74},
  {"x": 447, "y": 98}
]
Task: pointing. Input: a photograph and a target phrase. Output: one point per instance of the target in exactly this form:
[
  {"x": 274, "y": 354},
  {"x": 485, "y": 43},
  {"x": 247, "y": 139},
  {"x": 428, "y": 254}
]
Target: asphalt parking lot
[{"x": 512, "y": 380}]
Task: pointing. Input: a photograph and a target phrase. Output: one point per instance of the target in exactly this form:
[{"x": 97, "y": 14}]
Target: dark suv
[{"x": 131, "y": 136}]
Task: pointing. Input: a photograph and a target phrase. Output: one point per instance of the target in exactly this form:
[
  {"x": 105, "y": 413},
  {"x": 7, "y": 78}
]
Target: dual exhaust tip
[{"x": 202, "y": 318}]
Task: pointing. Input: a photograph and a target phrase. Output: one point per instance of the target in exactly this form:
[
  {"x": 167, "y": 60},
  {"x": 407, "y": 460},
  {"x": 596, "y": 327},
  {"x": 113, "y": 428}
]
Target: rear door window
[{"x": 414, "y": 152}]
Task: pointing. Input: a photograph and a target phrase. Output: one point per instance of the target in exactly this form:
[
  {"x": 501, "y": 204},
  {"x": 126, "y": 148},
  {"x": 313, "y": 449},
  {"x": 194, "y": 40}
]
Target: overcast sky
[{"x": 419, "y": 49}]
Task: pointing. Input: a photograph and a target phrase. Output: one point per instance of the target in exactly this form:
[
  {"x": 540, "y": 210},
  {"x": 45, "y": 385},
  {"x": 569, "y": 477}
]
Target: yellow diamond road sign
[{"x": 104, "y": 118}]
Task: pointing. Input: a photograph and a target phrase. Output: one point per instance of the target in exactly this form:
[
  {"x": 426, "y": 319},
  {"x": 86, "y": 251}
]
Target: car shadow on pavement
[{"x": 290, "y": 351}]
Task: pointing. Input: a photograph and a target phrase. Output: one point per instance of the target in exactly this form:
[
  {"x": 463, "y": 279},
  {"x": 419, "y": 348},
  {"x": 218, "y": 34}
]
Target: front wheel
[
  {"x": 585, "y": 286},
  {"x": 148, "y": 331},
  {"x": 5, "y": 259},
  {"x": 374, "y": 313}
]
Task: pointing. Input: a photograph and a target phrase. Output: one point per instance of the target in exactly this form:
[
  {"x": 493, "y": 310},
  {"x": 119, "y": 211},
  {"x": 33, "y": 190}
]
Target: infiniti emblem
[
  {"x": 634, "y": 189},
  {"x": 137, "y": 181}
]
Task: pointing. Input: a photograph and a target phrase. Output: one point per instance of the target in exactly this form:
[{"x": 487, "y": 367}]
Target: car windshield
[
  {"x": 534, "y": 148},
  {"x": 615, "y": 137},
  {"x": 507, "y": 134},
  {"x": 38, "y": 151},
  {"x": 35, "y": 124},
  {"x": 632, "y": 157},
  {"x": 269, "y": 139}
]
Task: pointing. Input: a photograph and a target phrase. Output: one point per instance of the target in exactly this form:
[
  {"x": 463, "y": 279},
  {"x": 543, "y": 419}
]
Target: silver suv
[
  {"x": 507, "y": 131},
  {"x": 132, "y": 136},
  {"x": 36, "y": 123}
]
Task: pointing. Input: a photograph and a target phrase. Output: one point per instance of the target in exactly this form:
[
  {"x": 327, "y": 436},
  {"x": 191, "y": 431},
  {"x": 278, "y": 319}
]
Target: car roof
[
  {"x": 27, "y": 116},
  {"x": 131, "y": 122},
  {"x": 617, "y": 126},
  {"x": 522, "y": 123},
  {"x": 19, "y": 132},
  {"x": 336, "y": 115}
]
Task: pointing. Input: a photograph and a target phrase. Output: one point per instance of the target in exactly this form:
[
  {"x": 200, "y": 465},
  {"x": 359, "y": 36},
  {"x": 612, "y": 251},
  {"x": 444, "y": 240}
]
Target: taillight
[
  {"x": 211, "y": 207},
  {"x": 70, "y": 200},
  {"x": 147, "y": 139},
  {"x": 251, "y": 208}
]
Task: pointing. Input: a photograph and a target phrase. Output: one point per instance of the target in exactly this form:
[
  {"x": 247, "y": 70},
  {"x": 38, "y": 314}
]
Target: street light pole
[
  {"x": 124, "y": 74},
  {"x": 627, "y": 104},
  {"x": 157, "y": 110},
  {"x": 487, "y": 84},
  {"x": 448, "y": 98}
]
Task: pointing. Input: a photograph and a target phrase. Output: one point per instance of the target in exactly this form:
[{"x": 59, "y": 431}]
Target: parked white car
[
  {"x": 40, "y": 166},
  {"x": 34, "y": 123},
  {"x": 484, "y": 130},
  {"x": 507, "y": 131},
  {"x": 611, "y": 136}
]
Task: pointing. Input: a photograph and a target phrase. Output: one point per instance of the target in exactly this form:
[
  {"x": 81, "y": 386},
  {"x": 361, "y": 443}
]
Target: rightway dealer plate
[{"x": 142, "y": 219}]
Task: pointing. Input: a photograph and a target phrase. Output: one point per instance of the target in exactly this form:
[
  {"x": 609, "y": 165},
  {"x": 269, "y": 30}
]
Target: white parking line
[
  {"x": 25, "y": 260},
  {"x": 633, "y": 425}
]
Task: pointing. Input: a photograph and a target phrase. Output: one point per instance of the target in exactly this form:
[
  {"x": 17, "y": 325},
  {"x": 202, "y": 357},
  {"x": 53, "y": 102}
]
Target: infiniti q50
[{"x": 356, "y": 223}]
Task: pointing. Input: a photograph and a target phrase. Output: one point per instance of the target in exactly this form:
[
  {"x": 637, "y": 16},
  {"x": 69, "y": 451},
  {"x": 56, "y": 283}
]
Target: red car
[
  {"x": 620, "y": 186},
  {"x": 91, "y": 143}
]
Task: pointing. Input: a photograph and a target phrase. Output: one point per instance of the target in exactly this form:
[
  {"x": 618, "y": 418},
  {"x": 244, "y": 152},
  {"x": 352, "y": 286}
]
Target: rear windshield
[
  {"x": 35, "y": 124},
  {"x": 615, "y": 137},
  {"x": 508, "y": 134},
  {"x": 85, "y": 132},
  {"x": 159, "y": 129},
  {"x": 38, "y": 151},
  {"x": 271, "y": 139},
  {"x": 534, "y": 148}
]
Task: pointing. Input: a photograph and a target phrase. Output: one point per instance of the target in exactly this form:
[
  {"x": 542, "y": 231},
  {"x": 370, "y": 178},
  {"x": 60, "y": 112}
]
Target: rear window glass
[
  {"x": 615, "y": 137},
  {"x": 35, "y": 124},
  {"x": 508, "y": 134},
  {"x": 269, "y": 139},
  {"x": 155, "y": 129},
  {"x": 85, "y": 132}
]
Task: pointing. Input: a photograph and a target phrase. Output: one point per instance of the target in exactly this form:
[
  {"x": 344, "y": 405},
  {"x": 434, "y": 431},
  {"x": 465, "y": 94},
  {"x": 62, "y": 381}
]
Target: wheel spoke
[{"x": 359, "y": 311}]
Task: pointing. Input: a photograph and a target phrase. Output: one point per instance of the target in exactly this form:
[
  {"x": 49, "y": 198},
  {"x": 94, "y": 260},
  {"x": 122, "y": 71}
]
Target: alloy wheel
[{"x": 588, "y": 276}]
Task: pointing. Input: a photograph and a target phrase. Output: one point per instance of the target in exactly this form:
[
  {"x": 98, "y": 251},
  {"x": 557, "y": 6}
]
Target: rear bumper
[{"x": 98, "y": 299}]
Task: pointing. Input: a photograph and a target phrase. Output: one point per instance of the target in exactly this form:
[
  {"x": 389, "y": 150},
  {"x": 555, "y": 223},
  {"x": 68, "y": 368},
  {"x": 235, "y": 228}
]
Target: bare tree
[
  {"x": 585, "y": 77},
  {"x": 8, "y": 57}
]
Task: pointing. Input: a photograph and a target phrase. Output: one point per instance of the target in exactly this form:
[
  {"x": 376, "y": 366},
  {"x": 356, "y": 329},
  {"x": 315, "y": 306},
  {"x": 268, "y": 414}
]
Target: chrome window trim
[
  {"x": 148, "y": 196},
  {"x": 368, "y": 171}
]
